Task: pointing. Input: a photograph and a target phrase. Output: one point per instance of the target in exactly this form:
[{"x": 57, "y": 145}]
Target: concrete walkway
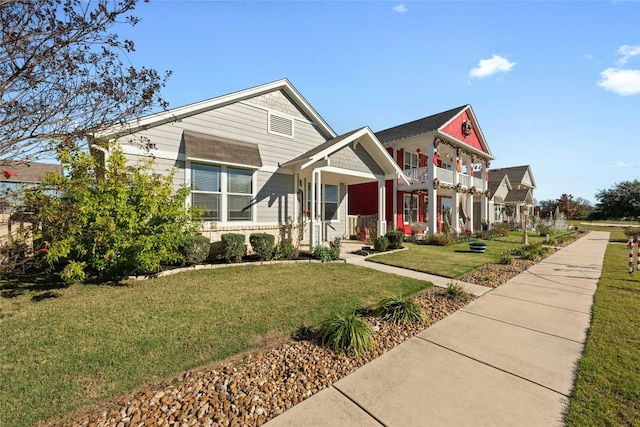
[
  {"x": 347, "y": 254},
  {"x": 506, "y": 359}
]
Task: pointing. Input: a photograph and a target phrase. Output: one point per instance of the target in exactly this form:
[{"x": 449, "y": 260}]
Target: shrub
[
  {"x": 334, "y": 248},
  {"x": 286, "y": 250},
  {"x": 233, "y": 247},
  {"x": 532, "y": 252},
  {"x": 401, "y": 311},
  {"x": 631, "y": 232},
  {"x": 346, "y": 333},
  {"x": 110, "y": 220},
  {"x": 439, "y": 240},
  {"x": 506, "y": 258},
  {"x": 543, "y": 229},
  {"x": 322, "y": 253},
  {"x": 395, "y": 238},
  {"x": 262, "y": 244},
  {"x": 500, "y": 229},
  {"x": 195, "y": 249},
  {"x": 455, "y": 291},
  {"x": 380, "y": 244}
]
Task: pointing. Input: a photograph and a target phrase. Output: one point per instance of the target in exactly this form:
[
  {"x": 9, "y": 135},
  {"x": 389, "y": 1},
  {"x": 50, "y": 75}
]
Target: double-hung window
[
  {"x": 330, "y": 198},
  {"x": 223, "y": 193},
  {"x": 410, "y": 208},
  {"x": 410, "y": 161},
  {"x": 239, "y": 193},
  {"x": 206, "y": 190}
]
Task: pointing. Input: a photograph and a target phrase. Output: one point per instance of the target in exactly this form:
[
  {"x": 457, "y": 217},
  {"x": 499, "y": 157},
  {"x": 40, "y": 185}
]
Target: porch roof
[
  {"x": 519, "y": 196},
  {"x": 364, "y": 136}
]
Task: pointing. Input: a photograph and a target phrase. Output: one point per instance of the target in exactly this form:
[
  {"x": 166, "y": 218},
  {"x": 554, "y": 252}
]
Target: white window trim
[
  {"x": 417, "y": 209},
  {"x": 322, "y": 204},
  {"x": 224, "y": 220}
]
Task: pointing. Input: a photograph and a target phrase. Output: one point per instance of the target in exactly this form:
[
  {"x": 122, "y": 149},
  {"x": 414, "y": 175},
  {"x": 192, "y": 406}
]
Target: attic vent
[{"x": 280, "y": 125}]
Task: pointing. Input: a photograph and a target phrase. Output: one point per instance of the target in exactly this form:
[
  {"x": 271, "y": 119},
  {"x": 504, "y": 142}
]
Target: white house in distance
[
  {"x": 511, "y": 191},
  {"x": 257, "y": 157}
]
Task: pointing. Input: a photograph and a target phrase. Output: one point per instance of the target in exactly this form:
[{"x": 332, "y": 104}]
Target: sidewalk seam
[
  {"x": 493, "y": 366},
  {"x": 540, "y": 303},
  {"x": 359, "y": 406},
  {"x": 523, "y": 327}
]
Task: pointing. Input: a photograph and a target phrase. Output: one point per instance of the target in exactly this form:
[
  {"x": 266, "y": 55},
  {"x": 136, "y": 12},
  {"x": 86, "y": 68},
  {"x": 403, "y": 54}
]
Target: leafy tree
[
  {"x": 109, "y": 222},
  {"x": 567, "y": 205},
  {"x": 547, "y": 208},
  {"x": 63, "y": 73},
  {"x": 619, "y": 202},
  {"x": 584, "y": 208}
]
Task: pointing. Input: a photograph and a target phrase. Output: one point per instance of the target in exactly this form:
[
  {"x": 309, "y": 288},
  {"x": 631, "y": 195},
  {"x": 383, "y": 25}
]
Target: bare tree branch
[{"x": 63, "y": 73}]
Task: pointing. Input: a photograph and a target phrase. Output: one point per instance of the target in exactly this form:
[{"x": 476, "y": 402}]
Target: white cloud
[
  {"x": 623, "y": 165},
  {"x": 627, "y": 52},
  {"x": 401, "y": 8},
  {"x": 488, "y": 67},
  {"x": 621, "y": 81}
]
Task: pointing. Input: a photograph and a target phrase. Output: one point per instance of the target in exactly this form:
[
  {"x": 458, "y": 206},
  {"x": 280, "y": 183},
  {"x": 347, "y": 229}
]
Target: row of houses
[{"x": 257, "y": 157}]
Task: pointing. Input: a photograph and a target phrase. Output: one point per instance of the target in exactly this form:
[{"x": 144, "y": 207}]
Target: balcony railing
[{"x": 445, "y": 176}]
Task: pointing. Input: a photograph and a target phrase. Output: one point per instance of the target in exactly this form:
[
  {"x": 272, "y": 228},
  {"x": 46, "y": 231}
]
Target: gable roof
[
  {"x": 362, "y": 136},
  {"x": 31, "y": 173},
  {"x": 210, "y": 104},
  {"x": 494, "y": 185},
  {"x": 516, "y": 174},
  {"x": 522, "y": 196},
  {"x": 418, "y": 127},
  {"x": 442, "y": 125}
]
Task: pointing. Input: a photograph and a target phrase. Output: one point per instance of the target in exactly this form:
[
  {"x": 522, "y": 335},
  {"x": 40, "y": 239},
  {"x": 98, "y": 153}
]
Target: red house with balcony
[{"x": 445, "y": 157}]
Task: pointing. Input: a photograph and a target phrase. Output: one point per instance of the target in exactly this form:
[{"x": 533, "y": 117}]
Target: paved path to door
[{"x": 506, "y": 359}]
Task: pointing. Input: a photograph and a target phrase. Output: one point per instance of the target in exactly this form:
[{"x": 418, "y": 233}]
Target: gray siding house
[{"x": 257, "y": 157}]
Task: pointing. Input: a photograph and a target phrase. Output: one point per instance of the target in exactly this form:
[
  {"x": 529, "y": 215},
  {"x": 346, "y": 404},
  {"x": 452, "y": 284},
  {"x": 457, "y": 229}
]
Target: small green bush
[
  {"x": 395, "y": 238},
  {"x": 346, "y": 333},
  {"x": 506, "y": 258},
  {"x": 322, "y": 253},
  {"x": 286, "y": 250},
  {"x": 380, "y": 244},
  {"x": 439, "y": 240},
  {"x": 262, "y": 244},
  {"x": 631, "y": 231},
  {"x": 233, "y": 247},
  {"x": 195, "y": 249},
  {"x": 499, "y": 229},
  {"x": 401, "y": 311},
  {"x": 455, "y": 291},
  {"x": 334, "y": 248},
  {"x": 543, "y": 229}
]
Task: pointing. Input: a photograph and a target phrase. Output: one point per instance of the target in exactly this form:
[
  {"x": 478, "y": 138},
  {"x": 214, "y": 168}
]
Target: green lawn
[
  {"x": 451, "y": 261},
  {"x": 64, "y": 348},
  {"x": 607, "y": 390}
]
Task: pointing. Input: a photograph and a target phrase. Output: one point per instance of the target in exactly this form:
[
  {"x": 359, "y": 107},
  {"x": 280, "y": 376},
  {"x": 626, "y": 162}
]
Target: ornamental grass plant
[
  {"x": 346, "y": 333},
  {"x": 401, "y": 311}
]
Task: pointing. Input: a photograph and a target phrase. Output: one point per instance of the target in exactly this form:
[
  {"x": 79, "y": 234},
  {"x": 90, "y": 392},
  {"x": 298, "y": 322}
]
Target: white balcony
[{"x": 418, "y": 177}]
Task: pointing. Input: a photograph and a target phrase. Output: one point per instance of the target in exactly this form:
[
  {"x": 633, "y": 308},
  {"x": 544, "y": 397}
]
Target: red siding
[
  {"x": 363, "y": 199},
  {"x": 455, "y": 129}
]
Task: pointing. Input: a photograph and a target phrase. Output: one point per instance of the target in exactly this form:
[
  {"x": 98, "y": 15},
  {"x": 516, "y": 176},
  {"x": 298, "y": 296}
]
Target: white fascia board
[
  {"x": 199, "y": 107},
  {"x": 466, "y": 107},
  {"x": 349, "y": 172}
]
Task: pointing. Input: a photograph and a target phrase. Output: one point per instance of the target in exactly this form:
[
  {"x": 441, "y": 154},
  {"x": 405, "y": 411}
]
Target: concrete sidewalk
[{"x": 506, "y": 359}]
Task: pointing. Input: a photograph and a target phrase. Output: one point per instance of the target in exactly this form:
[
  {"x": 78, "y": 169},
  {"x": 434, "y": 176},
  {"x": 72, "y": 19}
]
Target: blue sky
[{"x": 555, "y": 85}]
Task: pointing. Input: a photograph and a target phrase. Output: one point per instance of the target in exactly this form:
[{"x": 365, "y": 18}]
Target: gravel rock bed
[
  {"x": 494, "y": 275},
  {"x": 262, "y": 386}
]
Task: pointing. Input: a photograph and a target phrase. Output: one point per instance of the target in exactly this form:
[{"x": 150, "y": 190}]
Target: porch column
[
  {"x": 432, "y": 217},
  {"x": 455, "y": 200},
  {"x": 382, "y": 223},
  {"x": 315, "y": 229},
  {"x": 484, "y": 200},
  {"x": 395, "y": 193}
]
